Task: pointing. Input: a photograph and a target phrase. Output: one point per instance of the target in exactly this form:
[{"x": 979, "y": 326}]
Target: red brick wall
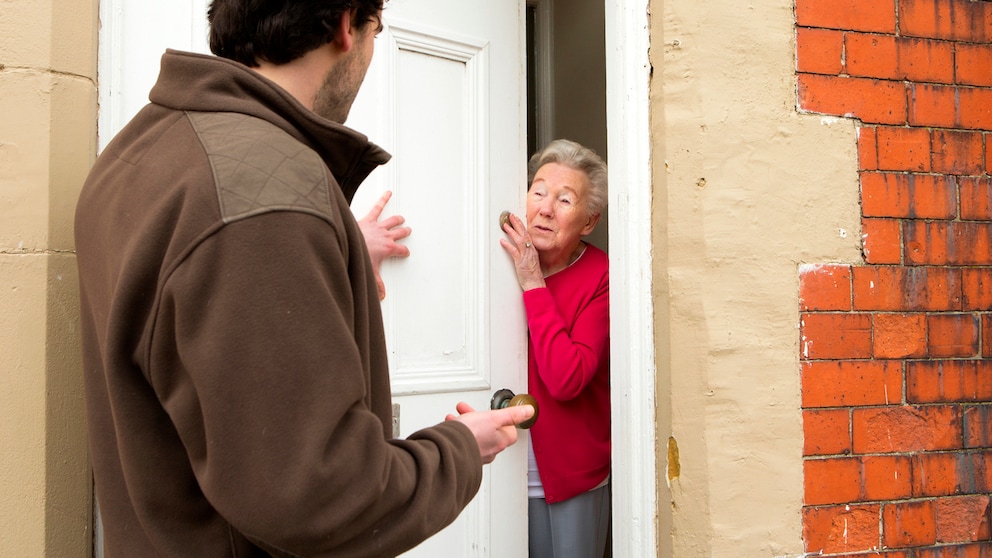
[{"x": 896, "y": 353}]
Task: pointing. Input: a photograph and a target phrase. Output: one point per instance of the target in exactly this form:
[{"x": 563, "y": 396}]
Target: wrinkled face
[
  {"x": 342, "y": 82},
  {"x": 557, "y": 208}
]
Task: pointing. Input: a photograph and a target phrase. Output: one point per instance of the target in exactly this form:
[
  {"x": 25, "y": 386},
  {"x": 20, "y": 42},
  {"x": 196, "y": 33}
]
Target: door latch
[{"x": 505, "y": 398}]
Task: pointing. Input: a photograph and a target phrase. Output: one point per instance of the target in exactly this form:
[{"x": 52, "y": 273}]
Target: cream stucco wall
[
  {"x": 746, "y": 191},
  {"x": 47, "y": 144}
]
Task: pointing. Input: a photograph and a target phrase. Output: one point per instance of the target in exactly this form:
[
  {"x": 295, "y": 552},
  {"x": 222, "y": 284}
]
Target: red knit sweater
[{"x": 569, "y": 374}]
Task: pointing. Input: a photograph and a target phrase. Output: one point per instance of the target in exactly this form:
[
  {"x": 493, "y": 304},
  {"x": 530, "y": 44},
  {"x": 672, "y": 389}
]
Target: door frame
[
  {"x": 633, "y": 380},
  {"x": 636, "y": 520}
]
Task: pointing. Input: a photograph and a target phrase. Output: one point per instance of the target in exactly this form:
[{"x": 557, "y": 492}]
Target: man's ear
[{"x": 344, "y": 33}]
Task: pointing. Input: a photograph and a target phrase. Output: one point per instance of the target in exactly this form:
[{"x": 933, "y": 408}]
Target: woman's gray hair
[{"x": 575, "y": 156}]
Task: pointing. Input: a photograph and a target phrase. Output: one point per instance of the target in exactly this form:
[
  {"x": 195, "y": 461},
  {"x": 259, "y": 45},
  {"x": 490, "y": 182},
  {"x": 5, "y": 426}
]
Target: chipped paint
[
  {"x": 805, "y": 340},
  {"x": 807, "y": 268},
  {"x": 674, "y": 466}
]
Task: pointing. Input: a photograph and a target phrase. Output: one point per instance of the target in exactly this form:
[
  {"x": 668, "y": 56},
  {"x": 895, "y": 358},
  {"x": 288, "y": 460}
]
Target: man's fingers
[
  {"x": 512, "y": 416},
  {"x": 380, "y": 286},
  {"x": 383, "y": 200},
  {"x": 380, "y": 204},
  {"x": 400, "y": 233},
  {"x": 393, "y": 221}
]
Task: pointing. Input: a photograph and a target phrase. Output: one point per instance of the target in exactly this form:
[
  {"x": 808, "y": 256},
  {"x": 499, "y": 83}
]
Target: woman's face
[{"x": 557, "y": 208}]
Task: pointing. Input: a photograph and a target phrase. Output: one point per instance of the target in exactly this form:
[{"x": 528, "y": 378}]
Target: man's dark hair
[{"x": 279, "y": 31}]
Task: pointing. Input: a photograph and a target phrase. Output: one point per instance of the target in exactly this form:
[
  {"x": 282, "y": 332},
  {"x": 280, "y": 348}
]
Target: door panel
[{"x": 445, "y": 95}]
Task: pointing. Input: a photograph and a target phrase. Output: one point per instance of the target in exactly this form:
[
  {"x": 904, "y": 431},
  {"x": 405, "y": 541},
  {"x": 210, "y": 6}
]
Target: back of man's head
[{"x": 279, "y": 31}]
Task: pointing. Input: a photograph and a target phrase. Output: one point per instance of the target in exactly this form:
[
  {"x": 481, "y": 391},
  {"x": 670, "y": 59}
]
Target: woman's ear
[{"x": 591, "y": 224}]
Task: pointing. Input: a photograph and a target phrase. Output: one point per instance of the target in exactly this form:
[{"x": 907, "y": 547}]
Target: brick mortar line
[
  {"x": 978, "y": 403},
  {"x": 966, "y": 451}
]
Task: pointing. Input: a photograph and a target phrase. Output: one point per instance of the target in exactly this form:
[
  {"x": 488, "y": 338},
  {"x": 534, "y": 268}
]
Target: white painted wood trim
[
  {"x": 545, "y": 71},
  {"x": 109, "y": 71},
  {"x": 635, "y": 468},
  {"x": 109, "y": 75}
]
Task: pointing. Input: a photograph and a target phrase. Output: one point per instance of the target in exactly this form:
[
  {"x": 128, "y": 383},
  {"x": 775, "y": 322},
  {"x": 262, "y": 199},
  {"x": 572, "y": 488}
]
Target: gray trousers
[{"x": 575, "y": 528}]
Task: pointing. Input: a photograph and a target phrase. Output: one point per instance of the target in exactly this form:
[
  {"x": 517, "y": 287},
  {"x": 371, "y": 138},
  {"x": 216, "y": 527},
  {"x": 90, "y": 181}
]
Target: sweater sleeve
[
  {"x": 569, "y": 334},
  {"x": 261, "y": 360}
]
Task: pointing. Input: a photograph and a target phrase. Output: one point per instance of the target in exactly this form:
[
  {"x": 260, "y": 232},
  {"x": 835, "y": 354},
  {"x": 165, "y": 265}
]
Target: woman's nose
[{"x": 546, "y": 207}]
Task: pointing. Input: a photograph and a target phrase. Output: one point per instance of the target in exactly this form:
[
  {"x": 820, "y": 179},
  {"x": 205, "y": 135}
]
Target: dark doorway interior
[
  {"x": 566, "y": 85},
  {"x": 566, "y": 79}
]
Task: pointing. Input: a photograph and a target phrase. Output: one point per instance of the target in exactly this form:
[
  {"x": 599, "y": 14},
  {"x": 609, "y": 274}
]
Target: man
[{"x": 236, "y": 380}]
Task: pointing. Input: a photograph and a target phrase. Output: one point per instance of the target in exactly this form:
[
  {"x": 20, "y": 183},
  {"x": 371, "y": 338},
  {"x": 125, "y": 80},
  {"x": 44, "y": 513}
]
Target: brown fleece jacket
[{"x": 237, "y": 388}]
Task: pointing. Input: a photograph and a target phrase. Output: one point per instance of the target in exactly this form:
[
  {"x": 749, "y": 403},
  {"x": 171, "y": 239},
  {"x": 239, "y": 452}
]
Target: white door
[{"x": 445, "y": 95}]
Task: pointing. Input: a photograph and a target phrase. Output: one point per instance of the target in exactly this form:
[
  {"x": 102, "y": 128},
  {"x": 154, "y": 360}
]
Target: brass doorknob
[
  {"x": 505, "y": 398},
  {"x": 504, "y": 218}
]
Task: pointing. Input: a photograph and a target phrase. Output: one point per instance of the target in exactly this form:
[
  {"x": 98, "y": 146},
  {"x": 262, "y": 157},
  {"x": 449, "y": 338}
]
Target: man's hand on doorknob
[{"x": 494, "y": 431}]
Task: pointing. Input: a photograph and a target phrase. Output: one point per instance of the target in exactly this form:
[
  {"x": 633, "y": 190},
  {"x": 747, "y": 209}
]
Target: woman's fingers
[{"x": 517, "y": 231}]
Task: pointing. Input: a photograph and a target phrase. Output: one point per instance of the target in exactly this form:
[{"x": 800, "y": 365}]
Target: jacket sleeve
[
  {"x": 568, "y": 355},
  {"x": 261, "y": 360}
]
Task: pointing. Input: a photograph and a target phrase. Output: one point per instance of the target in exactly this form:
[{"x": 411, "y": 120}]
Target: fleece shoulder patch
[{"x": 259, "y": 168}]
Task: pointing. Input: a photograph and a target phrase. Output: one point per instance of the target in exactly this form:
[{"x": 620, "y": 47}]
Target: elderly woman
[{"x": 565, "y": 284}]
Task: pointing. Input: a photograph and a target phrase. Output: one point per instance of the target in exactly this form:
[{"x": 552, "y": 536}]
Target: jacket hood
[{"x": 205, "y": 83}]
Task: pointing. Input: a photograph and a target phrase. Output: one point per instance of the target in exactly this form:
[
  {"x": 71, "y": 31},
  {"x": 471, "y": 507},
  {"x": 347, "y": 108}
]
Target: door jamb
[{"x": 632, "y": 350}]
